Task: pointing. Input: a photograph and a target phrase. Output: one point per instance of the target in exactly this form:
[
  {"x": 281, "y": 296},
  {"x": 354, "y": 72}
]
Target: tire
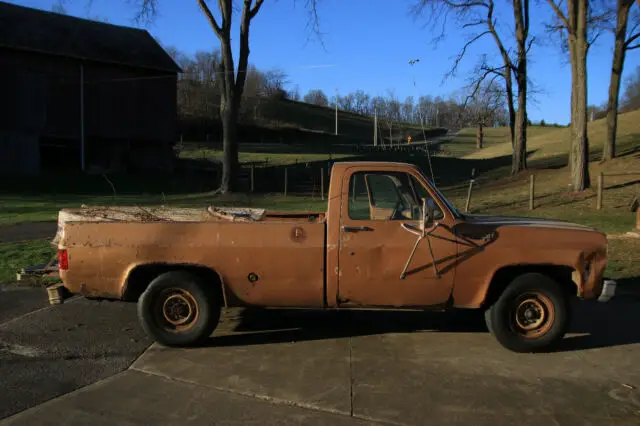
[
  {"x": 177, "y": 309},
  {"x": 531, "y": 315}
]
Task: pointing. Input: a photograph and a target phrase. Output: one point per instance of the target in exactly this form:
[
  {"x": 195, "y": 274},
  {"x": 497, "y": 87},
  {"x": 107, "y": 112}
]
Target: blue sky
[{"x": 367, "y": 45}]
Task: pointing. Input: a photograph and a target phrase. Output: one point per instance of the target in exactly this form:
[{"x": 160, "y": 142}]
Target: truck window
[
  {"x": 358, "y": 198},
  {"x": 421, "y": 193},
  {"x": 384, "y": 196}
]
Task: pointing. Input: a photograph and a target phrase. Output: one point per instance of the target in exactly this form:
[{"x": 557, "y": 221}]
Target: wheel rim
[
  {"x": 176, "y": 309},
  {"x": 532, "y": 315}
]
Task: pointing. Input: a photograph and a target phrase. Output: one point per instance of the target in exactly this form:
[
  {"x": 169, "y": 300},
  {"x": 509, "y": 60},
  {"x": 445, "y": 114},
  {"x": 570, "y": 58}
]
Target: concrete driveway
[{"x": 296, "y": 367}]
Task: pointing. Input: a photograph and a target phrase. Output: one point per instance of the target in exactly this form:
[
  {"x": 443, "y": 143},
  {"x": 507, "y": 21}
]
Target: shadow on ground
[{"x": 595, "y": 325}]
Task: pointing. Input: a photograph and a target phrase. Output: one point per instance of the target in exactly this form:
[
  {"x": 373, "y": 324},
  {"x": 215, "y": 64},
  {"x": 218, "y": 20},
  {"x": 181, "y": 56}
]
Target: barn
[{"x": 77, "y": 94}]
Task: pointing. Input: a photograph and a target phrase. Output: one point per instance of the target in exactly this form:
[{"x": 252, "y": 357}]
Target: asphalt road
[
  {"x": 47, "y": 351},
  {"x": 27, "y": 231}
]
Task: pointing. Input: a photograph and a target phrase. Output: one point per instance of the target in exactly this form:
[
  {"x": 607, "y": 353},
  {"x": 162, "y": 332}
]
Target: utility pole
[
  {"x": 336, "y": 112},
  {"x": 375, "y": 127}
]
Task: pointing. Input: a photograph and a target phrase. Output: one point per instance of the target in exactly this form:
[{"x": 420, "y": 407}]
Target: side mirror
[{"x": 427, "y": 214}]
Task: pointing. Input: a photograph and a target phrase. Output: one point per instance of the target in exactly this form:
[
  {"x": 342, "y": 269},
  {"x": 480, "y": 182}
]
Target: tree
[
  {"x": 362, "y": 100},
  {"x": 579, "y": 28},
  {"x": 624, "y": 41},
  {"x": 631, "y": 95},
  {"x": 480, "y": 14},
  {"x": 294, "y": 94},
  {"x": 232, "y": 81},
  {"x": 482, "y": 106},
  {"x": 316, "y": 97},
  {"x": 407, "y": 109}
]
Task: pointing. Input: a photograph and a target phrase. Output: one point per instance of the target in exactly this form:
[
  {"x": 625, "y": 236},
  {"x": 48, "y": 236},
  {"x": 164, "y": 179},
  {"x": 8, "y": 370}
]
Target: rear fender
[{"x": 138, "y": 276}]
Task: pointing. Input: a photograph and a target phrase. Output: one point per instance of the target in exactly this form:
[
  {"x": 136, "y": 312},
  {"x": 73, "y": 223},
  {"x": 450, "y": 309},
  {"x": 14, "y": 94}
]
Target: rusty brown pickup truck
[{"x": 388, "y": 240}]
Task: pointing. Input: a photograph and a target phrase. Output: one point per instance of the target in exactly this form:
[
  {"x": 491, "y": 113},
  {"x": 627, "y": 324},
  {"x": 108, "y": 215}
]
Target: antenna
[{"x": 424, "y": 134}]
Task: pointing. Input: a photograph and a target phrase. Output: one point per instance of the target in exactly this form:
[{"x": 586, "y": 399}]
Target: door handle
[{"x": 346, "y": 228}]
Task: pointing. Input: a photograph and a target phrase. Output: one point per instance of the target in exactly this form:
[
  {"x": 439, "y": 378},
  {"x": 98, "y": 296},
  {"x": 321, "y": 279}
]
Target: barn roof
[{"x": 35, "y": 30}]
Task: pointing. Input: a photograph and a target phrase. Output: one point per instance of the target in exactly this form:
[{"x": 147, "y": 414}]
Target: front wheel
[
  {"x": 532, "y": 314},
  {"x": 177, "y": 309}
]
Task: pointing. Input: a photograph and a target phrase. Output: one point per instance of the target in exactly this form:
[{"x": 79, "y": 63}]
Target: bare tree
[
  {"x": 625, "y": 39},
  {"x": 316, "y": 97},
  {"x": 631, "y": 94},
  {"x": 362, "y": 100},
  {"x": 347, "y": 102},
  {"x": 232, "y": 80},
  {"x": 480, "y": 14},
  {"x": 482, "y": 105},
  {"x": 579, "y": 27}
]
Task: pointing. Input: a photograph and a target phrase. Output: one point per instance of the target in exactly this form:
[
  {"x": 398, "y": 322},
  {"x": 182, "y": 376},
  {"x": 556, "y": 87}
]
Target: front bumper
[{"x": 608, "y": 290}]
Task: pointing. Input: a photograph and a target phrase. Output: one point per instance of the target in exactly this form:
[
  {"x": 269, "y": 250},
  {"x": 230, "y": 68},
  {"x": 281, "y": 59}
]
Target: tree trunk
[
  {"x": 521, "y": 17},
  {"x": 609, "y": 151},
  {"x": 230, "y": 147},
  {"x": 580, "y": 178},
  {"x": 511, "y": 108},
  {"x": 519, "y": 158},
  {"x": 479, "y": 136}
]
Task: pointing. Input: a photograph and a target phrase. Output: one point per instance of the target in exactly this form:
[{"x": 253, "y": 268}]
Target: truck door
[{"x": 375, "y": 247}]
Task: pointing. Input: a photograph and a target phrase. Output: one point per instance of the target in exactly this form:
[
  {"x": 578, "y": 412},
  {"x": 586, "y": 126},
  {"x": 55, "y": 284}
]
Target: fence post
[
  {"x": 600, "y": 189},
  {"x": 321, "y": 183},
  {"x": 532, "y": 191},
  {"x": 285, "y": 181},
  {"x": 466, "y": 208},
  {"x": 252, "y": 171}
]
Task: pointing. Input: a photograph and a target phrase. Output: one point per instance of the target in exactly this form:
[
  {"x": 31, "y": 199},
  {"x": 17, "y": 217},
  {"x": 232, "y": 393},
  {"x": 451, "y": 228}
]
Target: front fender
[{"x": 476, "y": 277}]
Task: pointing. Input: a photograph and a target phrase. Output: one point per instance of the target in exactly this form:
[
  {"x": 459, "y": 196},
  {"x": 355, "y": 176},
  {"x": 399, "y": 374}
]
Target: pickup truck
[{"x": 388, "y": 240}]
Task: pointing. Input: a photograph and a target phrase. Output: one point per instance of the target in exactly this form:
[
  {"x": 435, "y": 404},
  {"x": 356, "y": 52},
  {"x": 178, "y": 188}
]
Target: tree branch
[
  {"x": 559, "y": 13},
  {"x": 529, "y": 45},
  {"x": 473, "y": 24},
  {"x": 210, "y": 17},
  {"x": 463, "y": 51},
  {"x": 631, "y": 40},
  {"x": 255, "y": 9},
  {"x": 464, "y": 4}
]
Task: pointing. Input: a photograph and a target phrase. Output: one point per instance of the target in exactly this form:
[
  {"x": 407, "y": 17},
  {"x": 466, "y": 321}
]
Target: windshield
[{"x": 444, "y": 199}]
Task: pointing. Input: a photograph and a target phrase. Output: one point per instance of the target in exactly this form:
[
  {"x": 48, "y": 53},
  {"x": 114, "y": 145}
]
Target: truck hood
[{"x": 525, "y": 222}]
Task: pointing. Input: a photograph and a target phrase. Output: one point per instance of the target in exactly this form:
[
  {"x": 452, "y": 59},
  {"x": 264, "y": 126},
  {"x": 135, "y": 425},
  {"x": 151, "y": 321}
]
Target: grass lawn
[
  {"x": 272, "y": 159},
  {"x": 15, "y": 256}
]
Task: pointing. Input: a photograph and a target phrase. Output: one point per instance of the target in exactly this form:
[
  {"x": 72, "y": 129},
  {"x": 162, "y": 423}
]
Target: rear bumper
[{"x": 608, "y": 290}]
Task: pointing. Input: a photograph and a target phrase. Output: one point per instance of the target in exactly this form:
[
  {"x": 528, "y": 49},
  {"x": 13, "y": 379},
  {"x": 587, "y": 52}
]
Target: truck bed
[{"x": 110, "y": 243}]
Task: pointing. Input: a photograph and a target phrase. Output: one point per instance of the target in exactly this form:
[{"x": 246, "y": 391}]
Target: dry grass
[
  {"x": 553, "y": 143},
  {"x": 623, "y": 258},
  {"x": 495, "y": 141}
]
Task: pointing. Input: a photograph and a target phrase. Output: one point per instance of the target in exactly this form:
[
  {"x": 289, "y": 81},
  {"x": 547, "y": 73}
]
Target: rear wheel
[
  {"x": 532, "y": 314},
  {"x": 177, "y": 309}
]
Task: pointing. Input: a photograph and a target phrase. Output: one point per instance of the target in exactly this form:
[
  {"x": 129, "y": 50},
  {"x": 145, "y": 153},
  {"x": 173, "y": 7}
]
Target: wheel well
[
  {"x": 502, "y": 278},
  {"x": 141, "y": 276}
]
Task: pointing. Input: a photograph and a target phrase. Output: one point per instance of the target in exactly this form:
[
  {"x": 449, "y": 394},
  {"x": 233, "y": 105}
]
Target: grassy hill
[
  {"x": 547, "y": 159},
  {"x": 294, "y": 122}
]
